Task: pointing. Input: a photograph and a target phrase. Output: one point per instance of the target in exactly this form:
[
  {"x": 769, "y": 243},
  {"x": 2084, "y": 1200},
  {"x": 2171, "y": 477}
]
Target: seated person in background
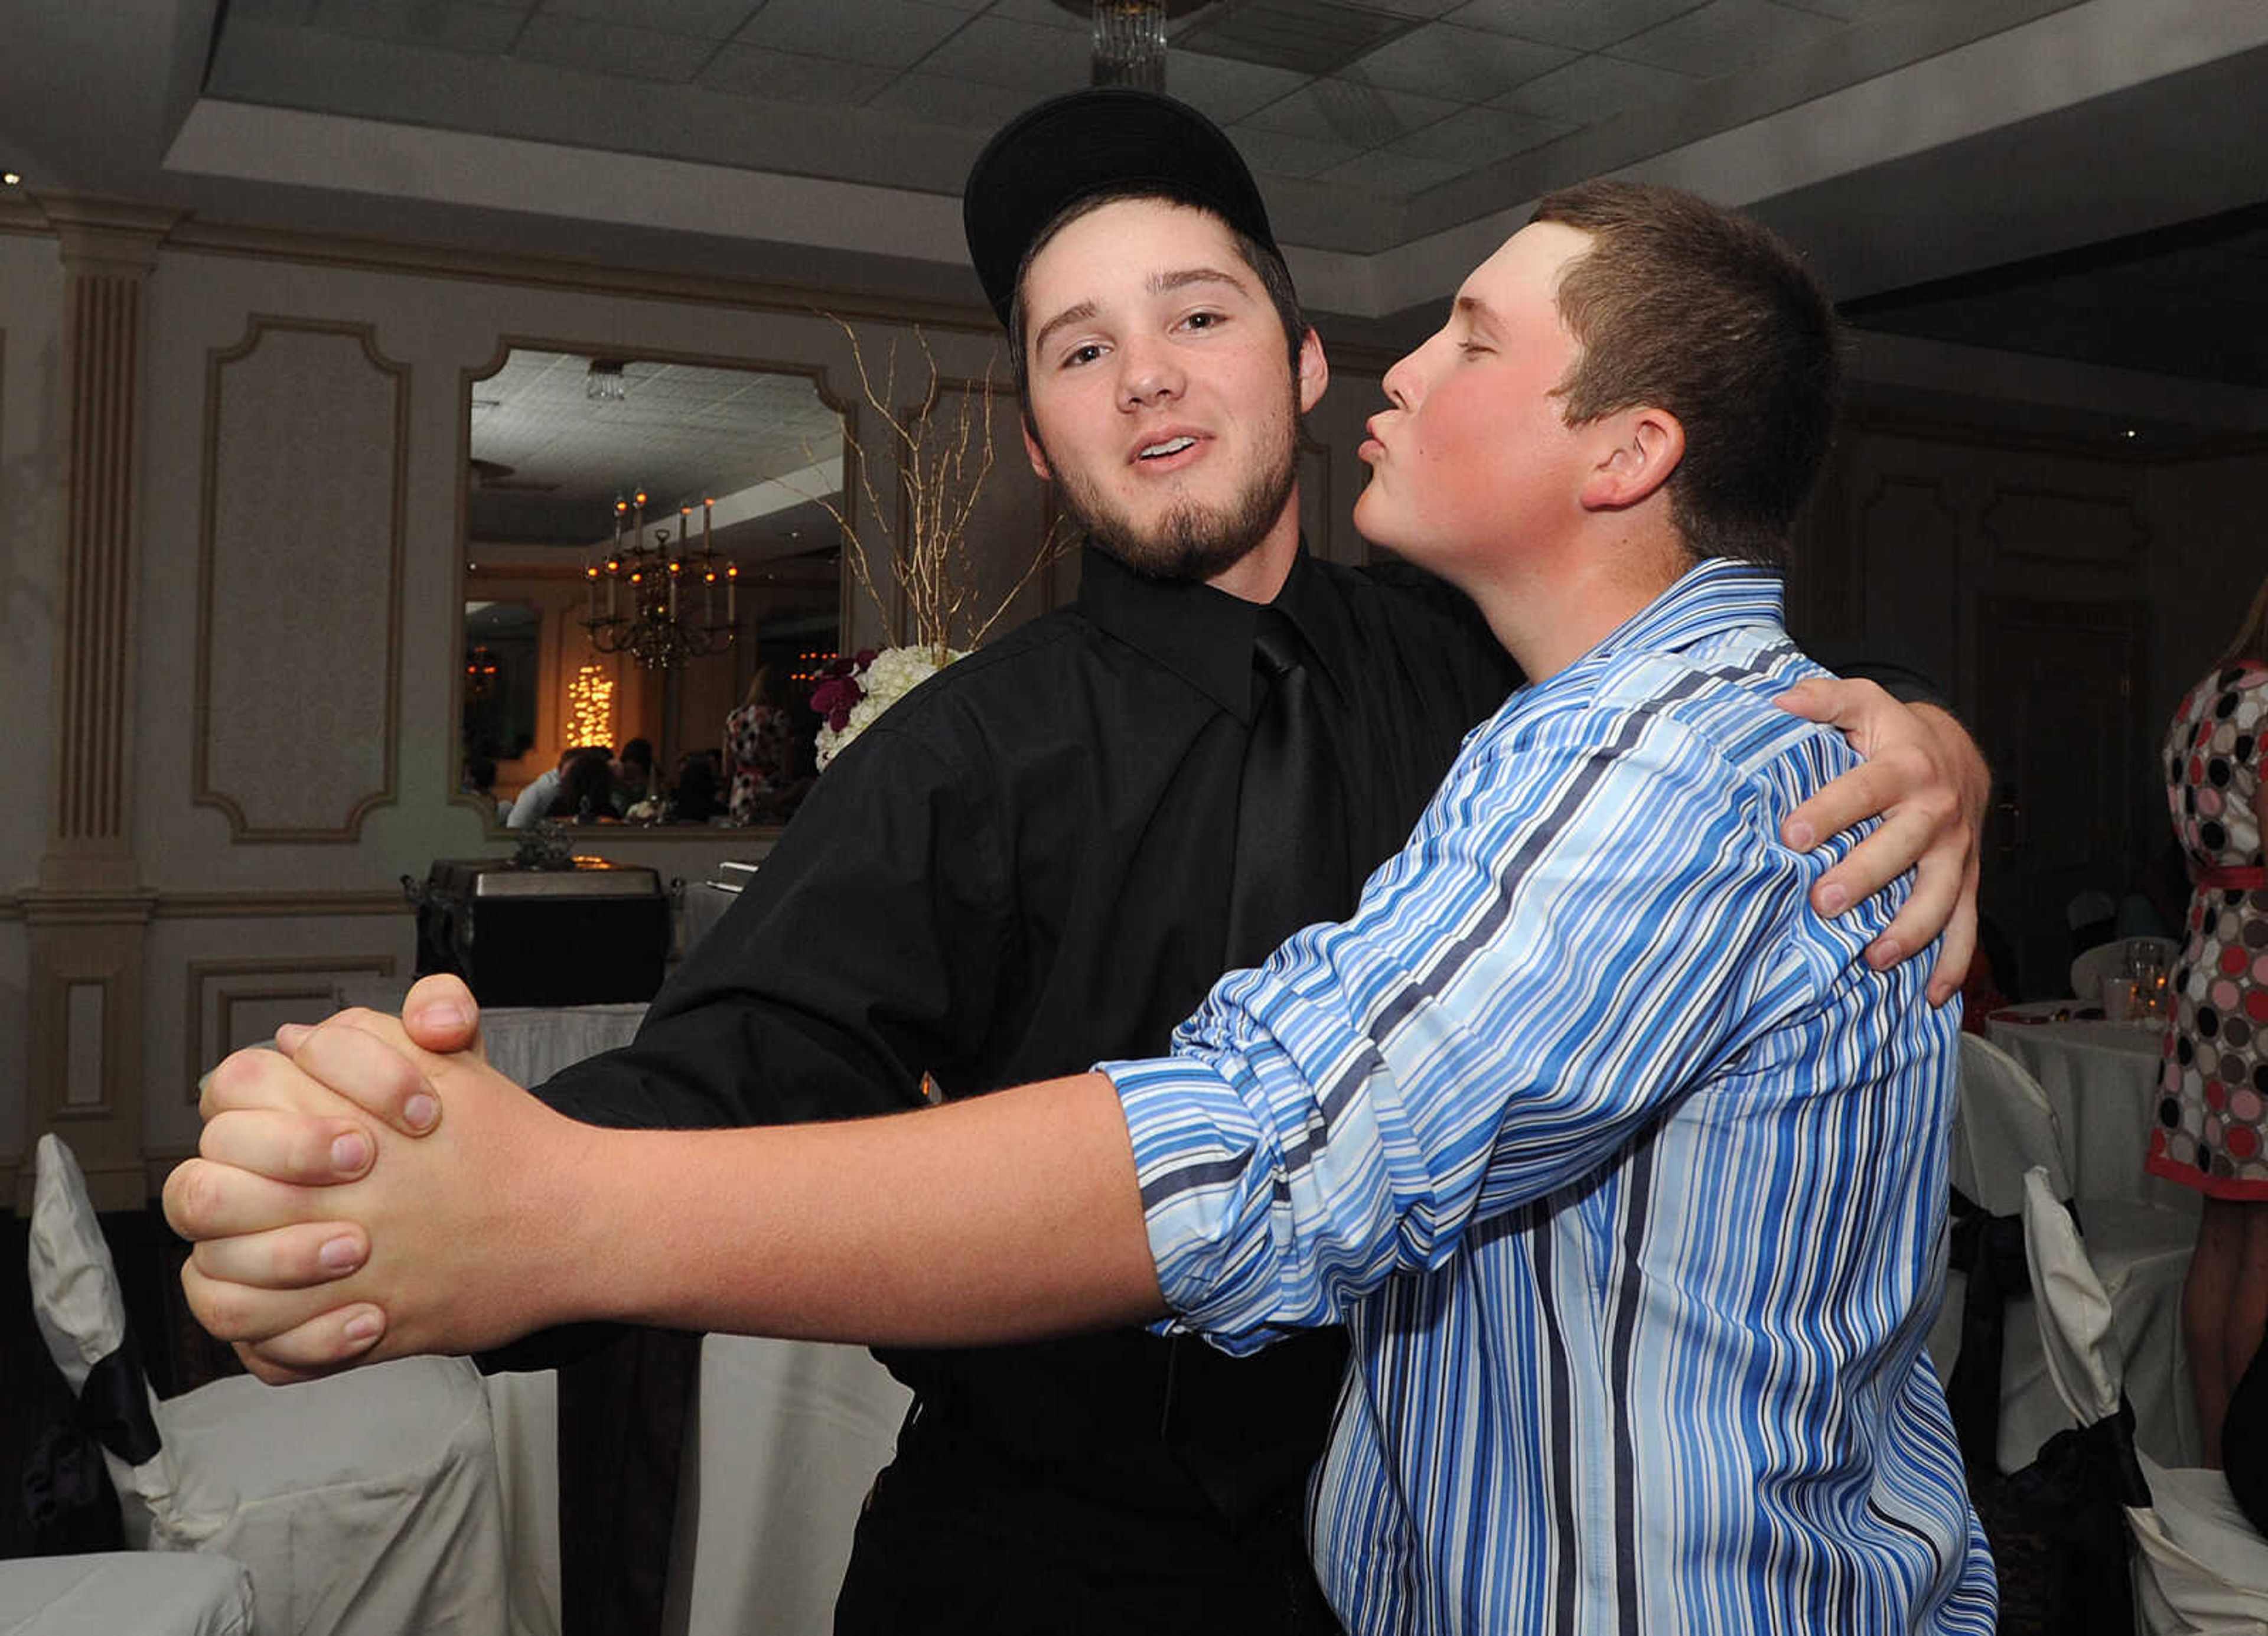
[
  {"x": 533, "y": 804},
  {"x": 632, "y": 774},
  {"x": 695, "y": 800},
  {"x": 1625, "y": 1170},
  {"x": 586, "y": 788}
]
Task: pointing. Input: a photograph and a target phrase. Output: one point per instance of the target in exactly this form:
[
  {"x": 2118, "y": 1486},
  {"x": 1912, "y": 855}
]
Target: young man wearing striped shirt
[{"x": 1625, "y": 1172}]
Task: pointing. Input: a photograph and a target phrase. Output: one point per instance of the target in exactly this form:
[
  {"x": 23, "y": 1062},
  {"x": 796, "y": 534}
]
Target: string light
[{"x": 591, "y": 708}]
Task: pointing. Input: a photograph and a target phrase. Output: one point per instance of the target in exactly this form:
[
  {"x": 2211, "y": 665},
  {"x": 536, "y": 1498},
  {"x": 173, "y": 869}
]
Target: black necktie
[{"x": 1290, "y": 832}]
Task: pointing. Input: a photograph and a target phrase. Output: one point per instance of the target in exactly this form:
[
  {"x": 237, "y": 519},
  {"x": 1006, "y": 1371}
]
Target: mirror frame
[{"x": 461, "y": 579}]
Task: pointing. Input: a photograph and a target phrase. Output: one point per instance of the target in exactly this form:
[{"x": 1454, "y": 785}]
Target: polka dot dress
[{"x": 2211, "y": 1133}]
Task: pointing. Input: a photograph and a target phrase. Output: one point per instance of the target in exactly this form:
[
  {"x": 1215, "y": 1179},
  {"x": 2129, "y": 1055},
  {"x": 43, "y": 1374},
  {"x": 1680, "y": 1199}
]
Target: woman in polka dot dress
[{"x": 2212, "y": 1115}]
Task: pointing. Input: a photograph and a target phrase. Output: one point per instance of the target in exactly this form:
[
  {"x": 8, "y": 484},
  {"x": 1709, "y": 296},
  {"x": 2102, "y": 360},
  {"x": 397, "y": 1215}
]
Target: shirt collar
[
  {"x": 1204, "y": 636},
  {"x": 1714, "y": 595}
]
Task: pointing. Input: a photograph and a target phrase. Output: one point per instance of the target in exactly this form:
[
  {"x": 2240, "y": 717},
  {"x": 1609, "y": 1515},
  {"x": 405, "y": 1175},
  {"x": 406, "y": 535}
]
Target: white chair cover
[
  {"x": 2203, "y": 1569},
  {"x": 2006, "y": 1126},
  {"x": 125, "y": 1594},
  {"x": 364, "y": 1505},
  {"x": 784, "y": 1449}
]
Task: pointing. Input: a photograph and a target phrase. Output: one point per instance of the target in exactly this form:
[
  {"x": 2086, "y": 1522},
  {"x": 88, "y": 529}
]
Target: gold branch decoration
[{"x": 942, "y": 462}]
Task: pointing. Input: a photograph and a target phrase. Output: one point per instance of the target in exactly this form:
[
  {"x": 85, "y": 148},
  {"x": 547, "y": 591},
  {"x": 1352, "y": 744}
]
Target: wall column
[{"x": 88, "y": 917}]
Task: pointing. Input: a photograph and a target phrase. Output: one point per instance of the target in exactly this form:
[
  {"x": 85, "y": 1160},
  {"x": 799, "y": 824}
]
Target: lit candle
[
  {"x": 731, "y": 589},
  {"x": 591, "y": 576}
]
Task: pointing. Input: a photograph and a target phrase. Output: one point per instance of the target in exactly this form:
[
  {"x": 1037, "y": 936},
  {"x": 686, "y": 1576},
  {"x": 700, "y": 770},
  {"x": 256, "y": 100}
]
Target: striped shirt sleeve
[{"x": 1594, "y": 913}]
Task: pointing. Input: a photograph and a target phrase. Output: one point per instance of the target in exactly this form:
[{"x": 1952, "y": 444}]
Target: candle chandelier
[{"x": 658, "y": 602}]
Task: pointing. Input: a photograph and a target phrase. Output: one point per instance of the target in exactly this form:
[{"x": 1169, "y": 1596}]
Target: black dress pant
[{"x": 961, "y": 1539}]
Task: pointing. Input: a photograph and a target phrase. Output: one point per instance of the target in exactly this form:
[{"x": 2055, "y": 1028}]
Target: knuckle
[{"x": 194, "y": 1197}]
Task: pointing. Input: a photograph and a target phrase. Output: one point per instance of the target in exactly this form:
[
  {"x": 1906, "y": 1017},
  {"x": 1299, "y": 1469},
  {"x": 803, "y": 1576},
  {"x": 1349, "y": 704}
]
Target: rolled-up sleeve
[{"x": 1594, "y": 912}]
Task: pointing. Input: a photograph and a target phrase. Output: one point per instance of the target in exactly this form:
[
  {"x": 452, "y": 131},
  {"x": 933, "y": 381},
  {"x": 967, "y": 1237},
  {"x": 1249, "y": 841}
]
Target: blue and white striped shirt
[{"x": 1625, "y": 1174}]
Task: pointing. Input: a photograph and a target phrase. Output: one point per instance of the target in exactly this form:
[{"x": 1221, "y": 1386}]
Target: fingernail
[
  {"x": 445, "y": 1015},
  {"x": 290, "y": 1035},
  {"x": 342, "y": 1254},
  {"x": 362, "y": 1327},
  {"x": 351, "y": 1152},
  {"x": 1883, "y": 955},
  {"x": 1833, "y": 900},
  {"x": 1800, "y": 836},
  {"x": 421, "y": 1111}
]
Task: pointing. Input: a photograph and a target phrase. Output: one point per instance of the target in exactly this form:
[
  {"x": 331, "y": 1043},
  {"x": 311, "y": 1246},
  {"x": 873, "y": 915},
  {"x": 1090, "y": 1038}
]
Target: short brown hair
[
  {"x": 1688, "y": 308},
  {"x": 1266, "y": 264}
]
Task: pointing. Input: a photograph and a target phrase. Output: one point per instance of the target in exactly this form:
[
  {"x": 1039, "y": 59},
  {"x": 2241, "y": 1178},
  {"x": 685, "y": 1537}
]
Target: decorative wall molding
[
  {"x": 285, "y": 731},
  {"x": 2073, "y": 526},
  {"x": 283, "y": 905},
  {"x": 108, "y": 250},
  {"x": 285, "y": 980}
]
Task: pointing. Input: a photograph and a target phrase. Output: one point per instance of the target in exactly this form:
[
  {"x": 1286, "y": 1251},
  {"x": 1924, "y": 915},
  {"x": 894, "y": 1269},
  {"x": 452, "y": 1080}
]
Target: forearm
[{"x": 1003, "y": 1218}]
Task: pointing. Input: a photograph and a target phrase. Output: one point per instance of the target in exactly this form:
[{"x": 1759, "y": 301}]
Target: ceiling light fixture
[
  {"x": 603, "y": 382},
  {"x": 1129, "y": 39},
  {"x": 9, "y": 179}
]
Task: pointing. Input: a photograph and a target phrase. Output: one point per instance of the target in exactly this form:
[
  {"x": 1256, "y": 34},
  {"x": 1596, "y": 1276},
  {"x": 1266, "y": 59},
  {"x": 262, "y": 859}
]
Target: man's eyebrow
[
  {"x": 1180, "y": 278},
  {"x": 1476, "y": 311},
  {"x": 1076, "y": 313},
  {"x": 1159, "y": 283}
]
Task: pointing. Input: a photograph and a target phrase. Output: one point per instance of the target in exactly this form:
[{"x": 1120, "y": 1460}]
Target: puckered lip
[{"x": 1156, "y": 435}]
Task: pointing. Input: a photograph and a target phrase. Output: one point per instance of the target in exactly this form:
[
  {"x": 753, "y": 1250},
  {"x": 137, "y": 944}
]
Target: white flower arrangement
[{"x": 882, "y": 680}]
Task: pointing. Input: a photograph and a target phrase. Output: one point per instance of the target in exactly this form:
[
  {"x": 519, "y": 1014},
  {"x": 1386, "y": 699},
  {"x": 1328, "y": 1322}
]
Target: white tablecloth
[
  {"x": 787, "y": 1435},
  {"x": 2101, "y": 1080}
]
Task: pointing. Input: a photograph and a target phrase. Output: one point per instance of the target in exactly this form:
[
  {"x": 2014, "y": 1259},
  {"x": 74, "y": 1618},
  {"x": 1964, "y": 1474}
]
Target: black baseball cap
[{"x": 1056, "y": 154}]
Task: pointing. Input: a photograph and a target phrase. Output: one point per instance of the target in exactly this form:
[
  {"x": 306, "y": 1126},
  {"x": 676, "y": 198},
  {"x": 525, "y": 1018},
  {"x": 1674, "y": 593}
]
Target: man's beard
[{"x": 1190, "y": 542}]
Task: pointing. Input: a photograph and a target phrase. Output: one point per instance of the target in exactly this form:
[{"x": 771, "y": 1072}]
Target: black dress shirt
[{"x": 1022, "y": 868}]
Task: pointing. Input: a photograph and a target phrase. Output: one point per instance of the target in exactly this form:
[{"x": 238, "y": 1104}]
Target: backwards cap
[{"x": 1052, "y": 155}]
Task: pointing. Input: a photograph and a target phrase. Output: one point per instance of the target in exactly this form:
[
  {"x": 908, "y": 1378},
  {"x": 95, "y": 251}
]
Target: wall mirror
[{"x": 738, "y": 467}]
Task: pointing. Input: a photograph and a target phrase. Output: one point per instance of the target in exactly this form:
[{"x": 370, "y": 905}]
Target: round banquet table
[{"x": 2101, "y": 1080}]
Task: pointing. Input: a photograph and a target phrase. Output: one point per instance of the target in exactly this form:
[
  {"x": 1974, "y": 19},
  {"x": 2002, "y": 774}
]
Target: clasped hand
[{"x": 337, "y": 1218}]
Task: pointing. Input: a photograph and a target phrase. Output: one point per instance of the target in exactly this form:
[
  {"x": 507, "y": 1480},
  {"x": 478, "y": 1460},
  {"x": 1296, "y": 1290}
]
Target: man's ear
[
  {"x": 1033, "y": 452},
  {"x": 1637, "y": 450},
  {"x": 1315, "y": 370}
]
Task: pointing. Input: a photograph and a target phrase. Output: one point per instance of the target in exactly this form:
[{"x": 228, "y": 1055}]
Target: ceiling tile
[
  {"x": 1726, "y": 35},
  {"x": 1416, "y": 8},
  {"x": 1360, "y": 116},
  {"x": 789, "y": 77},
  {"x": 1046, "y": 11},
  {"x": 1274, "y": 153},
  {"x": 1849, "y": 10},
  {"x": 1400, "y": 174},
  {"x": 1463, "y": 64},
  {"x": 706, "y": 20},
  {"x": 1031, "y": 57},
  {"x": 888, "y": 34},
  {"x": 1473, "y": 137},
  {"x": 453, "y": 24},
  {"x": 964, "y": 104},
  {"x": 1585, "y": 25},
  {"x": 271, "y": 10},
  {"x": 613, "y": 48},
  {"x": 1224, "y": 90},
  {"x": 1595, "y": 88}
]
